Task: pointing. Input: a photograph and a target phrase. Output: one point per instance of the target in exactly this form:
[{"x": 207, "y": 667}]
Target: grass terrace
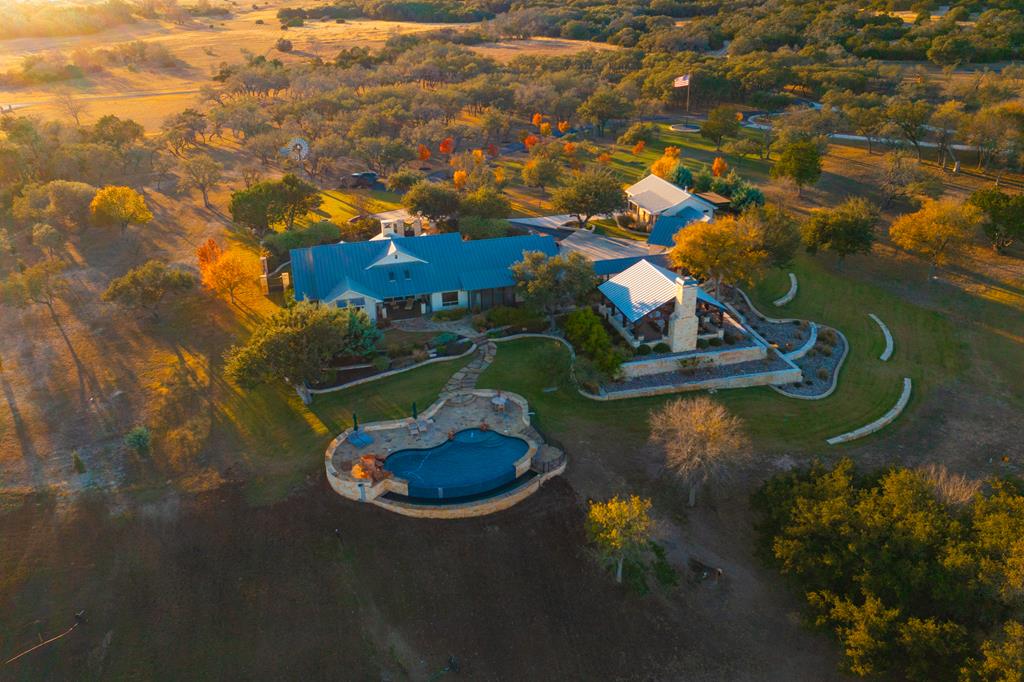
[{"x": 928, "y": 349}]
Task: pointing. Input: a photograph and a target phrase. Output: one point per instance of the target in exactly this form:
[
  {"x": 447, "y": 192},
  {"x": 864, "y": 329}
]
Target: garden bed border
[{"x": 392, "y": 372}]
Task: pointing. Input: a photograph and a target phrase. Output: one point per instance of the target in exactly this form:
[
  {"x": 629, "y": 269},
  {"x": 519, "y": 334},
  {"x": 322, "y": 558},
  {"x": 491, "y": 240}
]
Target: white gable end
[{"x": 394, "y": 256}]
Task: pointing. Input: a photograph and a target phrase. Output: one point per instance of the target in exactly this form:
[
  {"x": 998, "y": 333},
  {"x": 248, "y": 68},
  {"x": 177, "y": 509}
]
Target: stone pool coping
[{"x": 364, "y": 490}]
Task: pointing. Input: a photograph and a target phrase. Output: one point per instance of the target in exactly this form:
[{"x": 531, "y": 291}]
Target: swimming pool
[{"x": 473, "y": 462}]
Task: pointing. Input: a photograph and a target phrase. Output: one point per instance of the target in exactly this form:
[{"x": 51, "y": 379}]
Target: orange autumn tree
[
  {"x": 666, "y": 165},
  {"x": 478, "y": 155},
  {"x": 563, "y": 127},
  {"x": 459, "y": 179},
  {"x": 545, "y": 129},
  {"x": 569, "y": 148},
  {"x": 222, "y": 272},
  {"x": 604, "y": 159},
  {"x": 719, "y": 167},
  {"x": 423, "y": 152},
  {"x": 447, "y": 146},
  {"x": 530, "y": 140},
  {"x": 208, "y": 252},
  {"x": 537, "y": 119},
  {"x": 499, "y": 176},
  {"x": 639, "y": 147}
]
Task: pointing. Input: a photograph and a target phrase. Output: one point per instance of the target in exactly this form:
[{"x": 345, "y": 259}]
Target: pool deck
[{"x": 453, "y": 412}]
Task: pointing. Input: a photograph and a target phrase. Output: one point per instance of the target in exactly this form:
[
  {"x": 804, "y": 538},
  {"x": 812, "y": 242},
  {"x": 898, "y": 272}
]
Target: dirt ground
[
  {"x": 89, "y": 372},
  {"x": 213, "y": 588}
]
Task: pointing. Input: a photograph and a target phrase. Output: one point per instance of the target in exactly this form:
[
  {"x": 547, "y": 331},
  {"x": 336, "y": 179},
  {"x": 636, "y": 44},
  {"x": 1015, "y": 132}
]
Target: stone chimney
[{"x": 682, "y": 326}]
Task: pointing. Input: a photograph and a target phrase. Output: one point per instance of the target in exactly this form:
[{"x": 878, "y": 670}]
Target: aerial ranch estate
[{"x": 391, "y": 340}]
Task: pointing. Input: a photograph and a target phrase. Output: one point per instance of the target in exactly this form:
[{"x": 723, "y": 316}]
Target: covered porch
[{"x": 403, "y": 308}]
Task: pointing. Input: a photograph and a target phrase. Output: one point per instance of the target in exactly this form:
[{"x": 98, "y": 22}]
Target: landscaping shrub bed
[
  {"x": 279, "y": 244},
  {"x": 449, "y": 315},
  {"x": 444, "y": 345},
  {"x": 512, "y": 320}
]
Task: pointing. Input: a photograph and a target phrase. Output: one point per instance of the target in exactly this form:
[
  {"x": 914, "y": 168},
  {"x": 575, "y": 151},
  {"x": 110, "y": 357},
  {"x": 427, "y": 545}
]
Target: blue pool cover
[{"x": 473, "y": 462}]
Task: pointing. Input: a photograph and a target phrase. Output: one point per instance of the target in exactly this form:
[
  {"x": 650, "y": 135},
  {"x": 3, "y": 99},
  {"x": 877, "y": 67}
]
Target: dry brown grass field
[{"x": 149, "y": 95}]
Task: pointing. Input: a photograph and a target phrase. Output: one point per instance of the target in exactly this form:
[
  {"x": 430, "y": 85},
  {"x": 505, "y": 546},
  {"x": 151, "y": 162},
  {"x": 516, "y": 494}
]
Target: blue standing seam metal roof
[
  {"x": 423, "y": 265},
  {"x": 665, "y": 227}
]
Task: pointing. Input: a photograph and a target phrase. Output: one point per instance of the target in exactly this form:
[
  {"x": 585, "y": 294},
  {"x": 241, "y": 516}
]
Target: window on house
[
  {"x": 408, "y": 275},
  {"x": 449, "y": 298},
  {"x": 391, "y": 276}
]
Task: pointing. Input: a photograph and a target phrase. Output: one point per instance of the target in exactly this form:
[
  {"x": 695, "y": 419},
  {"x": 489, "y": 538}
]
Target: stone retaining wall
[
  {"x": 803, "y": 350},
  {"x": 728, "y": 356},
  {"x": 470, "y": 509},
  {"x": 887, "y": 353},
  {"x": 781, "y": 376},
  {"x": 883, "y": 421},
  {"x": 789, "y": 295},
  {"x": 390, "y": 373}
]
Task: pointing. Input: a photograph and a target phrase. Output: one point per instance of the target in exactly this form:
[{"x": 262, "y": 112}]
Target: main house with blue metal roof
[{"x": 404, "y": 277}]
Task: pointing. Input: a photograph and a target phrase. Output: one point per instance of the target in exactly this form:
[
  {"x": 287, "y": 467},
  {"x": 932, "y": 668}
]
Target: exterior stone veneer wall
[
  {"x": 478, "y": 508},
  {"x": 728, "y": 356},
  {"x": 781, "y": 376}
]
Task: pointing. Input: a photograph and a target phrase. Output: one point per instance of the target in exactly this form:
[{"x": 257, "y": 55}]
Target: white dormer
[{"x": 395, "y": 255}]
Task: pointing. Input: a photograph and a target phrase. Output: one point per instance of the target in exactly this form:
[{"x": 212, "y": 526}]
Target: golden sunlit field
[{"x": 148, "y": 95}]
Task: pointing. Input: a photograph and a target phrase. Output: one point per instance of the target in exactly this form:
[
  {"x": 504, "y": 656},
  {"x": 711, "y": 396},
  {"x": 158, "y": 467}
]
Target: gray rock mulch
[
  {"x": 787, "y": 336},
  {"x": 819, "y": 365}
]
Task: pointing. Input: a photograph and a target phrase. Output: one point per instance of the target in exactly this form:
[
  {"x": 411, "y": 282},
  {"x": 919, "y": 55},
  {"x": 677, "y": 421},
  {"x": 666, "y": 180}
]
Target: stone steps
[{"x": 466, "y": 378}]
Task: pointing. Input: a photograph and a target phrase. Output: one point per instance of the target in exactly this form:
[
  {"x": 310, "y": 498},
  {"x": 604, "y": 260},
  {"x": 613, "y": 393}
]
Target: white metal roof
[
  {"x": 641, "y": 288},
  {"x": 656, "y": 195}
]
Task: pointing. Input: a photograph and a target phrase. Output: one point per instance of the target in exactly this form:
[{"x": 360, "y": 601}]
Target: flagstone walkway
[{"x": 467, "y": 377}]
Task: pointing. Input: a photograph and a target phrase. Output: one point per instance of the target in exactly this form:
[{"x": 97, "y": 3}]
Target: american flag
[{"x": 681, "y": 81}]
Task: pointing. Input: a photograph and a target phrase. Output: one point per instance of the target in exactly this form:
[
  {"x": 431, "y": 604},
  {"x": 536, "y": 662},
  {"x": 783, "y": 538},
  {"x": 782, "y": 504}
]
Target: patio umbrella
[{"x": 414, "y": 411}]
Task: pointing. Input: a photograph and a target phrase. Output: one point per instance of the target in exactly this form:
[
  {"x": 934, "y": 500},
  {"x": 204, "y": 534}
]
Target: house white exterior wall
[
  {"x": 369, "y": 303},
  {"x": 435, "y": 301}
]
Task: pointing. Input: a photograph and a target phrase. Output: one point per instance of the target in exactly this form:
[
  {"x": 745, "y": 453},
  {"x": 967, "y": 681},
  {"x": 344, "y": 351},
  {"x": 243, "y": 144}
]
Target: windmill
[{"x": 297, "y": 149}]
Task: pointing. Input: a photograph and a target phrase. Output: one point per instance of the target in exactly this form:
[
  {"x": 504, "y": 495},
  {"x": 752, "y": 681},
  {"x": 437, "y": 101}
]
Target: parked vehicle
[{"x": 364, "y": 180}]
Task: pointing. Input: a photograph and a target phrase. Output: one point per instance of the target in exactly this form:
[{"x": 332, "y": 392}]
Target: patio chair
[{"x": 414, "y": 429}]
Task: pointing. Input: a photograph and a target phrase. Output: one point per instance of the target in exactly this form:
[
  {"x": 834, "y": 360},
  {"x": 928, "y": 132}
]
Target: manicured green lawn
[
  {"x": 341, "y": 204},
  {"x": 695, "y": 152},
  {"x": 928, "y": 349},
  {"x": 283, "y": 440}
]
